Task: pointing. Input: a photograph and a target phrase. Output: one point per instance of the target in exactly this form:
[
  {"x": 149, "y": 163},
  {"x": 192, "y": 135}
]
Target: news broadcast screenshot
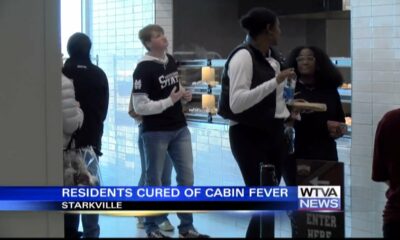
[{"x": 199, "y": 119}]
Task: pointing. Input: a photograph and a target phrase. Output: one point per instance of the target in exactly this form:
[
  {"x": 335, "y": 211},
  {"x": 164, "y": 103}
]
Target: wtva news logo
[{"x": 319, "y": 198}]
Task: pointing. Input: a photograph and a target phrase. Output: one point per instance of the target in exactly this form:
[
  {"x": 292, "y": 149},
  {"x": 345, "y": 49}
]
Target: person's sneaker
[
  {"x": 192, "y": 234},
  {"x": 140, "y": 223},
  {"x": 156, "y": 234},
  {"x": 166, "y": 226}
]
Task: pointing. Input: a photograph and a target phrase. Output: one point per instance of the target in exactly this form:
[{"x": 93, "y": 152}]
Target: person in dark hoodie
[
  {"x": 156, "y": 97},
  {"x": 91, "y": 91}
]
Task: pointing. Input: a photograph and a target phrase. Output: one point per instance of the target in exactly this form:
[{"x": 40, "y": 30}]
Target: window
[
  {"x": 71, "y": 21},
  {"x": 113, "y": 26}
]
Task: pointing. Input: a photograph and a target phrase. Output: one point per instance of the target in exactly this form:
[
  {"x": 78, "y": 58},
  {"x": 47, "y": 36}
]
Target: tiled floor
[{"x": 215, "y": 224}]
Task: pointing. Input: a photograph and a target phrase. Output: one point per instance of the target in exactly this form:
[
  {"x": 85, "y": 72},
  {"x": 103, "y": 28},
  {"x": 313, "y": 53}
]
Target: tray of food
[{"x": 309, "y": 106}]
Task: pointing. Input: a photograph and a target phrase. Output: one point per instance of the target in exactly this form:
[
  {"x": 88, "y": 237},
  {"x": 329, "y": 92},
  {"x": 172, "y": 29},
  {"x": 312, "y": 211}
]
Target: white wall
[
  {"x": 30, "y": 119},
  {"x": 164, "y": 15},
  {"x": 375, "y": 30}
]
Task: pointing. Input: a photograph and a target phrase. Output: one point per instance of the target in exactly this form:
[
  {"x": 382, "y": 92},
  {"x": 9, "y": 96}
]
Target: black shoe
[
  {"x": 156, "y": 234},
  {"x": 193, "y": 234}
]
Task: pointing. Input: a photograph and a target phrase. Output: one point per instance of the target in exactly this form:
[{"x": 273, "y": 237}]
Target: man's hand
[
  {"x": 187, "y": 96},
  {"x": 175, "y": 95}
]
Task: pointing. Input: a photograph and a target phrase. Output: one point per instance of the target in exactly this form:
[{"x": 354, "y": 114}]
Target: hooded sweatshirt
[
  {"x": 91, "y": 91},
  {"x": 153, "y": 81}
]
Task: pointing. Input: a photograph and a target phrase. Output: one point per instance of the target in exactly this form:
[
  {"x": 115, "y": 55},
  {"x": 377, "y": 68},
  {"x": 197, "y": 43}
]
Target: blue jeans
[
  {"x": 166, "y": 174},
  {"x": 178, "y": 145}
]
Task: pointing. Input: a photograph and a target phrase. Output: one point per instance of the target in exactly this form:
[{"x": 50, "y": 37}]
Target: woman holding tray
[
  {"x": 322, "y": 117},
  {"x": 316, "y": 131}
]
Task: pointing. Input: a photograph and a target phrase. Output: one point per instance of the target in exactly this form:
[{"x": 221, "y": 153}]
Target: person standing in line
[
  {"x": 252, "y": 99},
  {"x": 156, "y": 97},
  {"x": 72, "y": 121},
  {"x": 386, "y": 168},
  {"x": 72, "y": 114},
  {"x": 164, "y": 224},
  {"x": 91, "y": 89},
  {"x": 316, "y": 132}
]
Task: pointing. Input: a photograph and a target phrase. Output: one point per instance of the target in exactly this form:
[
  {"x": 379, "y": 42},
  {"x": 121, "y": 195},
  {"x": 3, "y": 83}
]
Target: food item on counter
[
  {"x": 199, "y": 83},
  {"x": 346, "y": 86},
  {"x": 213, "y": 111},
  {"x": 348, "y": 121}
]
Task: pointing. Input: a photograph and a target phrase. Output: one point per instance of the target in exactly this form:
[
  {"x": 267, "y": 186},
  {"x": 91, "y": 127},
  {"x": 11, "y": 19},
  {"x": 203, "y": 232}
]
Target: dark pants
[
  {"x": 391, "y": 230},
  {"x": 71, "y": 224},
  {"x": 250, "y": 147},
  {"x": 289, "y": 170}
]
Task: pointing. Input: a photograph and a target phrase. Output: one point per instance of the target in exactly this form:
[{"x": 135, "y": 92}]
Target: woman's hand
[
  {"x": 295, "y": 113},
  {"x": 336, "y": 129},
  {"x": 287, "y": 73}
]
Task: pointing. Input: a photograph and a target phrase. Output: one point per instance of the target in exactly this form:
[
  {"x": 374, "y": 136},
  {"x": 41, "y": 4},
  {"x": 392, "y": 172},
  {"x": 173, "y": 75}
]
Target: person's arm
[
  {"x": 80, "y": 117},
  {"x": 72, "y": 113},
  {"x": 104, "y": 98},
  {"x": 336, "y": 121},
  {"x": 74, "y": 121},
  {"x": 380, "y": 172},
  {"x": 144, "y": 106},
  {"x": 339, "y": 113},
  {"x": 240, "y": 73},
  {"x": 143, "y": 85},
  {"x": 132, "y": 112}
]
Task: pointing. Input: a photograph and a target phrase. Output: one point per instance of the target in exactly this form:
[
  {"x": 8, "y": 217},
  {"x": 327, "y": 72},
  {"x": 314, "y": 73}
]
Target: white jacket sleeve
[
  {"x": 144, "y": 106},
  {"x": 72, "y": 113},
  {"x": 240, "y": 73}
]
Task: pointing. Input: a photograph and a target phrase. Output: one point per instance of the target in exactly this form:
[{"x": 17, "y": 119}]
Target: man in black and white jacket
[{"x": 156, "y": 97}]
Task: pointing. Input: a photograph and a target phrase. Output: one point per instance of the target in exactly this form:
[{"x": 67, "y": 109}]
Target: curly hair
[{"x": 326, "y": 74}]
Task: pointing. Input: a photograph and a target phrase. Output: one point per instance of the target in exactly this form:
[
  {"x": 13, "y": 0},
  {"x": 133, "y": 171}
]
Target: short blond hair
[{"x": 146, "y": 33}]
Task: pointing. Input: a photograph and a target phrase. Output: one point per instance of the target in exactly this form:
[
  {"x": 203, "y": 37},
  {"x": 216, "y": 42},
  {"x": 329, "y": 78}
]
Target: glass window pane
[{"x": 114, "y": 33}]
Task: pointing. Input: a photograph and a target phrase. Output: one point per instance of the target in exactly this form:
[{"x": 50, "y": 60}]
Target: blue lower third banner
[{"x": 158, "y": 198}]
